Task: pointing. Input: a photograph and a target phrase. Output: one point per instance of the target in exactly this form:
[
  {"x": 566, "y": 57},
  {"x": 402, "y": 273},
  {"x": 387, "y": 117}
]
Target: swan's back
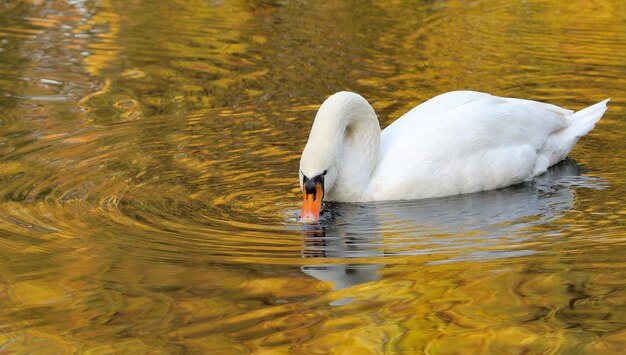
[{"x": 465, "y": 141}]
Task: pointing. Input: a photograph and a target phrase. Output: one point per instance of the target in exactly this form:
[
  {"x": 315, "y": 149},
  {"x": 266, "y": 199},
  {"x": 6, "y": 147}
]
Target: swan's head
[
  {"x": 315, "y": 182},
  {"x": 313, "y": 195},
  {"x": 343, "y": 143}
]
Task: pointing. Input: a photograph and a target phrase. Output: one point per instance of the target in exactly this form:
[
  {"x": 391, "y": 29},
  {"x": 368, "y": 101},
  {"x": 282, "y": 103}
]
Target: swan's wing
[
  {"x": 450, "y": 100},
  {"x": 481, "y": 142}
]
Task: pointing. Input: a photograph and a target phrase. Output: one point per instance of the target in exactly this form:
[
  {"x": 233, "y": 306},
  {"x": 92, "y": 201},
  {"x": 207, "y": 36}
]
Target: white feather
[{"x": 458, "y": 142}]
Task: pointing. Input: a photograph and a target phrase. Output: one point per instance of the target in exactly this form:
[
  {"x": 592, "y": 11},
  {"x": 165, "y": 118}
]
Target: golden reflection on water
[{"x": 148, "y": 192}]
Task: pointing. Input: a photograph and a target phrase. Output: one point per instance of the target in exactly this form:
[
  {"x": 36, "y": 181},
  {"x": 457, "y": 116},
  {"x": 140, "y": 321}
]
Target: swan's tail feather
[
  {"x": 584, "y": 120},
  {"x": 559, "y": 144}
]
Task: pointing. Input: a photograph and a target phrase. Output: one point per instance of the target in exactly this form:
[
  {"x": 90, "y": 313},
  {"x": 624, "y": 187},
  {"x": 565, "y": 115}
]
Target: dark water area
[{"x": 149, "y": 180}]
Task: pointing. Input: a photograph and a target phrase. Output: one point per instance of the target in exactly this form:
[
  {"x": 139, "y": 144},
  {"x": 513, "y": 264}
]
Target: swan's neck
[{"x": 345, "y": 137}]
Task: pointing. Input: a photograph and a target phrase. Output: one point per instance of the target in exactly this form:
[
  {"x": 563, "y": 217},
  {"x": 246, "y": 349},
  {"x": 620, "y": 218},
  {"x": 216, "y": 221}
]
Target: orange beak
[{"x": 312, "y": 203}]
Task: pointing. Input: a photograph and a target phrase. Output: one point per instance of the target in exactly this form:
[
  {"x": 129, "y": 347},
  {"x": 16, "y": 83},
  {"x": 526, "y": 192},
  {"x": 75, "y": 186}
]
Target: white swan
[{"x": 457, "y": 142}]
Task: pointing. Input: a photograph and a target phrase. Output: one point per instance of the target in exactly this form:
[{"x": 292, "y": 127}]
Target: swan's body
[{"x": 458, "y": 142}]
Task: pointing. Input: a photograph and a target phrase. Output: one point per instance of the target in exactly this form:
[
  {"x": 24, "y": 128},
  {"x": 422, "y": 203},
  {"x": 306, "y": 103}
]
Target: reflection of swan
[
  {"x": 459, "y": 225},
  {"x": 458, "y": 142},
  {"x": 331, "y": 241}
]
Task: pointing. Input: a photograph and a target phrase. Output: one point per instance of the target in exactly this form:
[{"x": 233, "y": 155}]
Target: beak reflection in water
[{"x": 313, "y": 194}]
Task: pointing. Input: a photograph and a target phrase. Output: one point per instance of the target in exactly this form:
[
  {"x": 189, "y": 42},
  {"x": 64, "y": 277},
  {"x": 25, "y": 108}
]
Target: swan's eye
[{"x": 325, "y": 171}]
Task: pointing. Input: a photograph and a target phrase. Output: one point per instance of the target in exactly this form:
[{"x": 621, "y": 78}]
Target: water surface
[{"x": 149, "y": 196}]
